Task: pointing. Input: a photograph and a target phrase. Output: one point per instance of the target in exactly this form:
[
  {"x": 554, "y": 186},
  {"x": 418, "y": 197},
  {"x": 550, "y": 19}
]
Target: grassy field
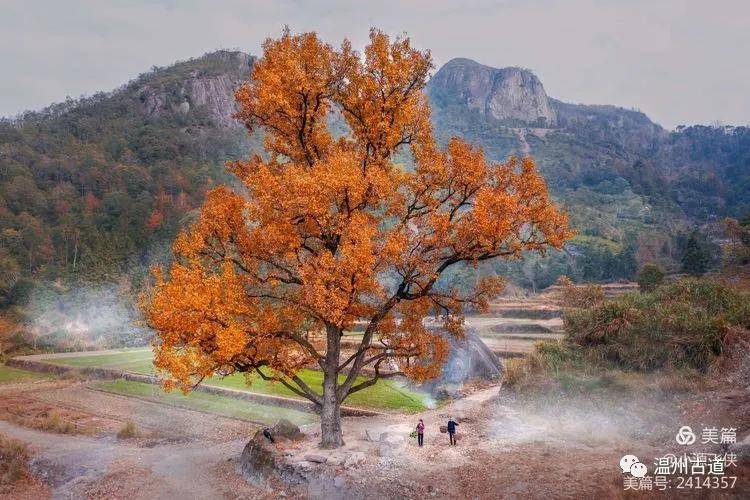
[
  {"x": 9, "y": 375},
  {"x": 384, "y": 395},
  {"x": 212, "y": 403}
]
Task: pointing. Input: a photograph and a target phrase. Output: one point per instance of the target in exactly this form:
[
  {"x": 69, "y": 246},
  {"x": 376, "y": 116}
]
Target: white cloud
[{"x": 680, "y": 61}]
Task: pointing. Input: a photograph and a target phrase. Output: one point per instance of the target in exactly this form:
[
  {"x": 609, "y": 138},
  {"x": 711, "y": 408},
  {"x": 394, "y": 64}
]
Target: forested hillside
[
  {"x": 633, "y": 190},
  {"x": 92, "y": 190}
]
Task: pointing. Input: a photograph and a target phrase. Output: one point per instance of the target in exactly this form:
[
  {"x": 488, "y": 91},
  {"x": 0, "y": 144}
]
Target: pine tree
[{"x": 695, "y": 259}]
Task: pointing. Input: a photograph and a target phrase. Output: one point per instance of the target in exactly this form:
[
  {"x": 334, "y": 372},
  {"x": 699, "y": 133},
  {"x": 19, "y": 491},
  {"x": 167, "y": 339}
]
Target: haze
[{"x": 679, "y": 61}]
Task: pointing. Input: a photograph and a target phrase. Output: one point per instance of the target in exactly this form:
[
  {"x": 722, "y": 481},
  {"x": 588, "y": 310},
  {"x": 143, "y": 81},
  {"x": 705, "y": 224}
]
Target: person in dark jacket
[
  {"x": 269, "y": 436},
  {"x": 452, "y": 430},
  {"x": 420, "y": 432}
]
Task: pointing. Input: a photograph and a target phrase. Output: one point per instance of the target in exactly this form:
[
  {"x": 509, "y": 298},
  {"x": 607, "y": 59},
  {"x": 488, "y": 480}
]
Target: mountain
[
  {"x": 507, "y": 94},
  {"x": 206, "y": 84},
  {"x": 96, "y": 188},
  {"x": 631, "y": 187},
  {"x": 699, "y": 172}
]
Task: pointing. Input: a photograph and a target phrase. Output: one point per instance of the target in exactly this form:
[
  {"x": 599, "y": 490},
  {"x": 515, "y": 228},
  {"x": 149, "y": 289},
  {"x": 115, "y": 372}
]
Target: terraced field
[
  {"x": 209, "y": 403},
  {"x": 10, "y": 375},
  {"x": 385, "y": 395},
  {"x": 512, "y": 327}
]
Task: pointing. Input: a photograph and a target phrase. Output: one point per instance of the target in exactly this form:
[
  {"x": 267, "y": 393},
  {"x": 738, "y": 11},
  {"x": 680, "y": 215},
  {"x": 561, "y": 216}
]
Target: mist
[{"x": 85, "y": 317}]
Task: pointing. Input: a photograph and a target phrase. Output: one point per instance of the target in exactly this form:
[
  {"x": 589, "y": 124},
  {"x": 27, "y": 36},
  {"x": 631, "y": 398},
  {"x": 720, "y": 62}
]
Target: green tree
[
  {"x": 695, "y": 258},
  {"x": 650, "y": 277}
]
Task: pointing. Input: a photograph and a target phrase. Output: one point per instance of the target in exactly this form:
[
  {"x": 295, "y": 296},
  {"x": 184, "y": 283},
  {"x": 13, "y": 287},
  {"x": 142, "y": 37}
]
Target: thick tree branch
[{"x": 303, "y": 390}]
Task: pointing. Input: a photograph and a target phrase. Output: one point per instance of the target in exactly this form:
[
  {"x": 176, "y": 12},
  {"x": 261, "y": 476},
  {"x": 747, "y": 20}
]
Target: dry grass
[
  {"x": 127, "y": 431},
  {"x": 50, "y": 422},
  {"x": 563, "y": 369},
  {"x": 13, "y": 456},
  {"x": 681, "y": 325},
  {"x": 579, "y": 296}
]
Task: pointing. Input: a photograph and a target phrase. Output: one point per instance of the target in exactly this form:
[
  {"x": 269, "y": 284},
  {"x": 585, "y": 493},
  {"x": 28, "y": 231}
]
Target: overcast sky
[{"x": 679, "y": 61}]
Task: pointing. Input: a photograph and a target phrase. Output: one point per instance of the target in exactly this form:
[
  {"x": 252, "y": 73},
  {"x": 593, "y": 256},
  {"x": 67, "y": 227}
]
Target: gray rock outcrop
[
  {"x": 469, "y": 358},
  {"x": 504, "y": 94},
  {"x": 211, "y": 90},
  {"x": 260, "y": 460}
]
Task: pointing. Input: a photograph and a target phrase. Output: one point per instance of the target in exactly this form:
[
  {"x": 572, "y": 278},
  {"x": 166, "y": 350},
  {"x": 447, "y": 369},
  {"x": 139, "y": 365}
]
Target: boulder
[
  {"x": 318, "y": 459},
  {"x": 372, "y": 436},
  {"x": 284, "y": 428},
  {"x": 469, "y": 358},
  {"x": 259, "y": 459},
  {"x": 355, "y": 459},
  {"x": 391, "y": 444}
]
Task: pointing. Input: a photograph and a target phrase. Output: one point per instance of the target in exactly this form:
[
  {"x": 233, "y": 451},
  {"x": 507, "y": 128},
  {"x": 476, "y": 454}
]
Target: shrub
[
  {"x": 54, "y": 422},
  {"x": 547, "y": 358},
  {"x": 681, "y": 325},
  {"x": 576, "y": 296},
  {"x": 696, "y": 257},
  {"x": 650, "y": 277},
  {"x": 13, "y": 456},
  {"x": 128, "y": 430}
]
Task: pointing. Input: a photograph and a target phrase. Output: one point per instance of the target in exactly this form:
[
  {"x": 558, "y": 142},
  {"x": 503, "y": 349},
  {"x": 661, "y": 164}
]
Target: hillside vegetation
[
  {"x": 689, "y": 327},
  {"x": 93, "y": 191}
]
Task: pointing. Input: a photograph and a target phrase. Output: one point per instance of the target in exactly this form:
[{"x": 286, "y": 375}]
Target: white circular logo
[
  {"x": 685, "y": 435},
  {"x": 638, "y": 470},
  {"x": 627, "y": 462}
]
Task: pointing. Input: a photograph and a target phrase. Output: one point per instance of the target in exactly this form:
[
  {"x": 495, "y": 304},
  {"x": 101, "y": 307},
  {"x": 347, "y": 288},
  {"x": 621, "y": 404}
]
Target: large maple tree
[{"x": 327, "y": 230}]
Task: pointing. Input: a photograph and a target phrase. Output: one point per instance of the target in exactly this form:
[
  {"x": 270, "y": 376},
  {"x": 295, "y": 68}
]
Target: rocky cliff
[
  {"x": 206, "y": 84},
  {"x": 506, "y": 94}
]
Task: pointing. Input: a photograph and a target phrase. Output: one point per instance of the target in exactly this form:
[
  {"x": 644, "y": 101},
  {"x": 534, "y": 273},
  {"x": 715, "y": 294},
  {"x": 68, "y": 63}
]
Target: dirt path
[
  {"x": 164, "y": 422},
  {"x": 80, "y": 466},
  {"x": 559, "y": 448},
  {"x": 178, "y": 452},
  {"x": 506, "y": 450}
]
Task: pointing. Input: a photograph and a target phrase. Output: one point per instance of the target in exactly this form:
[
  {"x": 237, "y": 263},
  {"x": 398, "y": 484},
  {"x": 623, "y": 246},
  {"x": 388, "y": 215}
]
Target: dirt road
[
  {"x": 86, "y": 467},
  {"x": 506, "y": 449}
]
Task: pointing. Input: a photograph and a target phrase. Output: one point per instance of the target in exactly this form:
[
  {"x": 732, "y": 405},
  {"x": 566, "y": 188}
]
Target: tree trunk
[{"x": 330, "y": 414}]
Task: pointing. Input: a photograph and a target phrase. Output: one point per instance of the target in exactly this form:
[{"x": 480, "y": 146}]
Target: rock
[
  {"x": 318, "y": 459},
  {"x": 506, "y": 94},
  {"x": 210, "y": 91},
  {"x": 371, "y": 436},
  {"x": 284, "y": 428},
  {"x": 259, "y": 459},
  {"x": 469, "y": 358},
  {"x": 391, "y": 444},
  {"x": 392, "y": 438},
  {"x": 334, "y": 461},
  {"x": 339, "y": 482},
  {"x": 355, "y": 459}
]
